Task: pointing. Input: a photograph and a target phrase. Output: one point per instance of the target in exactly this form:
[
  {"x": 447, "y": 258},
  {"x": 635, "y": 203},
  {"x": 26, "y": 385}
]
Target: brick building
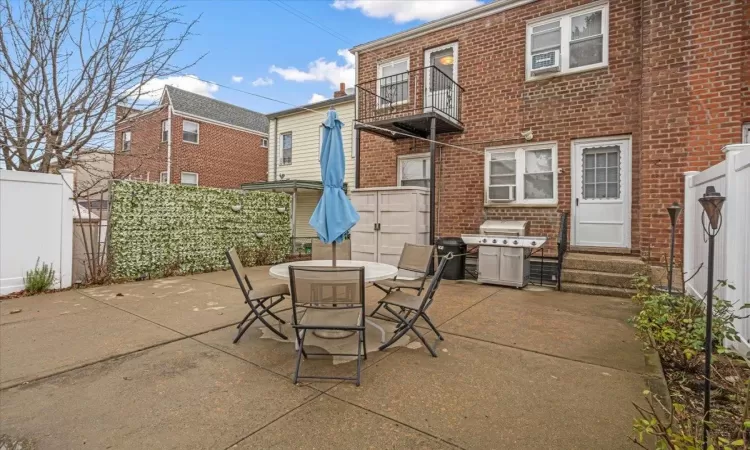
[
  {"x": 192, "y": 139},
  {"x": 550, "y": 106}
]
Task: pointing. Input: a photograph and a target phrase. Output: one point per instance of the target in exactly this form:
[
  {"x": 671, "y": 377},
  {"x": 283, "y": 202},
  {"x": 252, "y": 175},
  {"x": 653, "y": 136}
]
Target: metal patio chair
[
  {"x": 341, "y": 308},
  {"x": 325, "y": 251},
  {"x": 256, "y": 298},
  {"x": 415, "y": 258},
  {"x": 412, "y": 307}
]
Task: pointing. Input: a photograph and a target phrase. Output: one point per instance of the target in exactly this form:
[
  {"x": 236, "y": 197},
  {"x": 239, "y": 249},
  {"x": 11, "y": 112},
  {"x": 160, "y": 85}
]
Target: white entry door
[
  {"x": 601, "y": 193},
  {"x": 441, "y": 76}
]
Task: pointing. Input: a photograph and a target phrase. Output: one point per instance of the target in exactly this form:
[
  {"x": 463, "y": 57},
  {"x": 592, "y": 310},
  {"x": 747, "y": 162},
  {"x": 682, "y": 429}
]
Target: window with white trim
[
  {"x": 163, "y": 177},
  {"x": 264, "y": 142},
  {"x": 393, "y": 82},
  {"x": 526, "y": 175},
  {"x": 126, "y": 141},
  {"x": 165, "y": 130},
  {"x": 190, "y": 131},
  {"x": 189, "y": 178},
  {"x": 746, "y": 133},
  {"x": 573, "y": 42},
  {"x": 414, "y": 170},
  {"x": 286, "y": 149}
]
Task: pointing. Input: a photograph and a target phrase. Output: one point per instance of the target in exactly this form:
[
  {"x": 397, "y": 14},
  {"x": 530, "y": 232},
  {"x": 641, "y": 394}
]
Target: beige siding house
[{"x": 294, "y": 138}]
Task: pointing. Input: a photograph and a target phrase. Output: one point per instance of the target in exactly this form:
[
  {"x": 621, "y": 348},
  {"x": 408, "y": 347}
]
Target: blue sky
[{"x": 260, "y": 40}]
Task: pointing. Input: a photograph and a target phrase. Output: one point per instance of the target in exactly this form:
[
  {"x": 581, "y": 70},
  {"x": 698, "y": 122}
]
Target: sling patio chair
[
  {"x": 412, "y": 307},
  {"x": 325, "y": 251},
  {"x": 341, "y": 308},
  {"x": 415, "y": 258},
  {"x": 256, "y": 298}
]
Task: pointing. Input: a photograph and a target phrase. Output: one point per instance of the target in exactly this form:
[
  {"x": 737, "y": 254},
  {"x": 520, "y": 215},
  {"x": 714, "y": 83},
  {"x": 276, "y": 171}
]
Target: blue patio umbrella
[{"x": 334, "y": 215}]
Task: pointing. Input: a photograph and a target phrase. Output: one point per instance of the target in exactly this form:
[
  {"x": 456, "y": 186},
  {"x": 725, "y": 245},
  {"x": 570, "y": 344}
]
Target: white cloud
[
  {"x": 407, "y": 10},
  {"x": 261, "y": 81},
  {"x": 322, "y": 70},
  {"x": 237, "y": 79},
  {"x": 152, "y": 90},
  {"x": 317, "y": 98}
]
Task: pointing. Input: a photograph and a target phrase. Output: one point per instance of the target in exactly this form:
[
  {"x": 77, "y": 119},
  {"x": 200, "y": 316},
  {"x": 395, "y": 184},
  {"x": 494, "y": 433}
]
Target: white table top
[{"x": 374, "y": 271}]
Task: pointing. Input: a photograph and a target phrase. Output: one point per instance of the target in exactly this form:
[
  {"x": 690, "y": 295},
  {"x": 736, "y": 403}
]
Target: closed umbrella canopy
[{"x": 334, "y": 215}]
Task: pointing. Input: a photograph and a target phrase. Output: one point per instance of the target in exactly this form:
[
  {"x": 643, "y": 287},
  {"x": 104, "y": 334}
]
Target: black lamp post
[
  {"x": 711, "y": 202},
  {"x": 674, "y": 212}
]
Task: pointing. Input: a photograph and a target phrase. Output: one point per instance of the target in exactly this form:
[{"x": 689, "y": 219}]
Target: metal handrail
[
  {"x": 418, "y": 69},
  {"x": 562, "y": 246},
  {"x": 409, "y": 93}
]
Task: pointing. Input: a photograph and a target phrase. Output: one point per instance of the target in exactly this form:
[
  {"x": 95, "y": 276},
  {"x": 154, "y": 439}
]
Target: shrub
[
  {"x": 39, "y": 279},
  {"x": 677, "y": 324}
]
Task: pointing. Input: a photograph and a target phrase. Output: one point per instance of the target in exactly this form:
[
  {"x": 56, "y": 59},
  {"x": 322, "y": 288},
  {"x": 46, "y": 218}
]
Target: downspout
[
  {"x": 432, "y": 180},
  {"x": 169, "y": 144},
  {"x": 356, "y": 116}
]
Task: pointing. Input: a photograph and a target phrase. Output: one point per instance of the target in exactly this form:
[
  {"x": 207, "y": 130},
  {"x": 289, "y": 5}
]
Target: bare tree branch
[{"x": 66, "y": 64}]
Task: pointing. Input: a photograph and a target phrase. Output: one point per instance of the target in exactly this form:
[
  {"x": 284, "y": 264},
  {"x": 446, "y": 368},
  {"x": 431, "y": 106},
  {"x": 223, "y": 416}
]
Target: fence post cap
[{"x": 735, "y": 148}]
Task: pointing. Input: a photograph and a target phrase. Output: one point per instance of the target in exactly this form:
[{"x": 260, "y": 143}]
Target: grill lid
[{"x": 504, "y": 227}]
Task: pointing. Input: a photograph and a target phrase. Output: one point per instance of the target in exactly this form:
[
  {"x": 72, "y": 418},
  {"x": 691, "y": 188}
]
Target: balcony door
[{"x": 441, "y": 78}]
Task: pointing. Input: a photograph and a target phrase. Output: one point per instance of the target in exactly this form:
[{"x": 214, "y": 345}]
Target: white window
[
  {"x": 286, "y": 149},
  {"x": 746, "y": 133},
  {"x": 576, "y": 41},
  {"x": 393, "y": 82},
  {"x": 525, "y": 175},
  {"x": 126, "y": 138},
  {"x": 163, "y": 177},
  {"x": 264, "y": 142},
  {"x": 414, "y": 170},
  {"x": 189, "y": 178},
  {"x": 165, "y": 130},
  {"x": 190, "y": 131}
]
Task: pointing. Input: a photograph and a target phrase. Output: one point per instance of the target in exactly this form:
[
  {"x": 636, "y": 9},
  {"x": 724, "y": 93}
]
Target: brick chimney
[{"x": 341, "y": 92}]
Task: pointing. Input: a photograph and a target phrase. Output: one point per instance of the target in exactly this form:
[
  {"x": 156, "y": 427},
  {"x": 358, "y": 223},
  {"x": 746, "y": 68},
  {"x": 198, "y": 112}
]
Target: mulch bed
[{"x": 728, "y": 392}]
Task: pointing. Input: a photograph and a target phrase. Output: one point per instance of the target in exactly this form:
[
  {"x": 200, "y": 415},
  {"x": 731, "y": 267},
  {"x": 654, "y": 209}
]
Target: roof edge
[
  {"x": 304, "y": 108},
  {"x": 493, "y": 7}
]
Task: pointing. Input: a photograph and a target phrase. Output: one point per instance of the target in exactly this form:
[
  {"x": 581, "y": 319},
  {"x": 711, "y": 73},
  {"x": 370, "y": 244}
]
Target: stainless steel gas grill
[{"x": 504, "y": 258}]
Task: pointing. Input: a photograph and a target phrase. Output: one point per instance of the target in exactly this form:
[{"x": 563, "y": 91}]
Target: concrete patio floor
[{"x": 152, "y": 365}]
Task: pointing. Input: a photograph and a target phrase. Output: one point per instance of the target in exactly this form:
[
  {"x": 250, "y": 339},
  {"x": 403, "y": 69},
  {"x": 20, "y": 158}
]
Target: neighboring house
[
  {"x": 93, "y": 169},
  {"x": 294, "y": 162},
  {"x": 192, "y": 139},
  {"x": 595, "y": 108}
]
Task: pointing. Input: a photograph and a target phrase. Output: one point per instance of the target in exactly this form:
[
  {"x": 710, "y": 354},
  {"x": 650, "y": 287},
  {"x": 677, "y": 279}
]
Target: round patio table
[{"x": 374, "y": 271}]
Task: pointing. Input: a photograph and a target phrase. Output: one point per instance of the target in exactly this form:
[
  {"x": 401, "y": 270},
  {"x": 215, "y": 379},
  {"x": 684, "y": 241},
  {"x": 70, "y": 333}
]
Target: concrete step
[
  {"x": 619, "y": 264},
  {"x": 618, "y": 280},
  {"x": 591, "y": 289}
]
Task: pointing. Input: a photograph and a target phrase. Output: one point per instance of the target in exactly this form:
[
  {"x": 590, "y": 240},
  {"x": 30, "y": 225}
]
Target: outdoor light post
[
  {"x": 711, "y": 202},
  {"x": 674, "y": 211}
]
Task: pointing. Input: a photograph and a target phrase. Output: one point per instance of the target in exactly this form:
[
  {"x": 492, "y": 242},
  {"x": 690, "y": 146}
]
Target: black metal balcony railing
[{"x": 418, "y": 91}]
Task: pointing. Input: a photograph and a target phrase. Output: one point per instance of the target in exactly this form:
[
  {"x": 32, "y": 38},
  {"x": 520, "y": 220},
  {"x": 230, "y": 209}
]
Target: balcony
[{"x": 405, "y": 103}]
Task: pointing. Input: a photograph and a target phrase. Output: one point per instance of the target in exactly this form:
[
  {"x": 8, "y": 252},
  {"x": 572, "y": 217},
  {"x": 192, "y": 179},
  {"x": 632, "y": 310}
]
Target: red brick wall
[
  {"x": 148, "y": 155},
  {"x": 642, "y": 93},
  {"x": 224, "y": 157}
]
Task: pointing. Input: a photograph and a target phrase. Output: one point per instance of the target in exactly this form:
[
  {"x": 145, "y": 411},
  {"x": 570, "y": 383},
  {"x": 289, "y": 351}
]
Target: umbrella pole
[{"x": 334, "y": 253}]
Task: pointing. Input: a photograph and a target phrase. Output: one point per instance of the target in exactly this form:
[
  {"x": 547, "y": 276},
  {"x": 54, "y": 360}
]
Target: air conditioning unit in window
[
  {"x": 503, "y": 193},
  {"x": 545, "y": 62}
]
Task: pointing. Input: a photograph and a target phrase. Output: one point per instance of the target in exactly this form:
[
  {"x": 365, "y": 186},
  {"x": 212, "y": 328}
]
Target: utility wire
[
  {"x": 299, "y": 14},
  {"x": 362, "y": 124}
]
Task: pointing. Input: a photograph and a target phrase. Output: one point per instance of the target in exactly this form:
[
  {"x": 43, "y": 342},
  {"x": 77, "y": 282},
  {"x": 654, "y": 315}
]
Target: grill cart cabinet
[{"x": 389, "y": 217}]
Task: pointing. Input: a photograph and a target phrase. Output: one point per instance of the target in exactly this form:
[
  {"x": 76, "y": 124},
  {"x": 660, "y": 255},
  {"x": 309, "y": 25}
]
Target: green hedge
[{"x": 165, "y": 229}]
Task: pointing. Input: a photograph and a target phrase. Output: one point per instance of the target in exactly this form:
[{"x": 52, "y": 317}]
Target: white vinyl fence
[
  {"x": 36, "y": 221},
  {"x": 731, "y": 178}
]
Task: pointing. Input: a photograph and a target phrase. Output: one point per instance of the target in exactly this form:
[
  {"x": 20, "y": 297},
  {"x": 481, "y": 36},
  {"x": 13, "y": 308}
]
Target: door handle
[{"x": 576, "y": 201}]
